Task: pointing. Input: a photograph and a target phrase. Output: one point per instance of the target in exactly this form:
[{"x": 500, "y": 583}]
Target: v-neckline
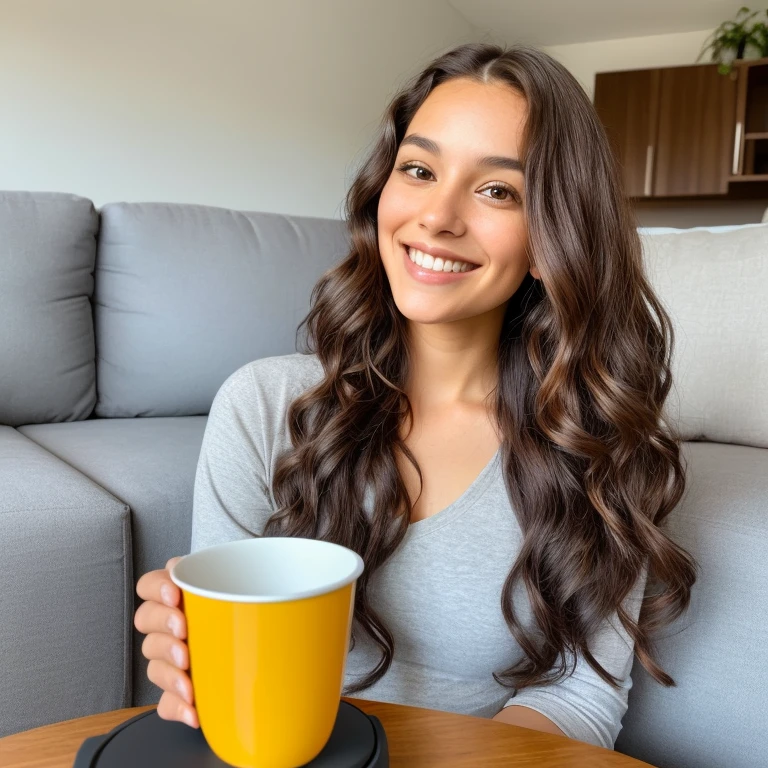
[{"x": 475, "y": 489}]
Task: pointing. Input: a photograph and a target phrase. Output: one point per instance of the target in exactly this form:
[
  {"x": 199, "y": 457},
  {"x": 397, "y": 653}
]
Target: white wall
[
  {"x": 245, "y": 104},
  {"x": 584, "y": 60}
]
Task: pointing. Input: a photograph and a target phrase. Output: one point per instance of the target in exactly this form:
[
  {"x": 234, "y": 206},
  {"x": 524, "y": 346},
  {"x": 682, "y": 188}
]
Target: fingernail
[
  {"x": 182, "y": 691},
  {"x": 174, "y": 626},
  {"x": 165, "y": 593},
  {"x": 189, "y": 718},
  {"x": 178, "y": 656}
]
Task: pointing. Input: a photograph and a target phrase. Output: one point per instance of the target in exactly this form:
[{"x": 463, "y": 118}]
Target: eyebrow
[{"x": 491, "y": 161}]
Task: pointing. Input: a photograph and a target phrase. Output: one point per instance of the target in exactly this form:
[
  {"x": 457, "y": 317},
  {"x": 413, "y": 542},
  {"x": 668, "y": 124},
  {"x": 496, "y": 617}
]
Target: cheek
[
  {"x": 389, "y": 220},
  {"x": 382, "y": 212},
  {"x": 507, "y": 247},
  {"x": 394, "y": 207}
]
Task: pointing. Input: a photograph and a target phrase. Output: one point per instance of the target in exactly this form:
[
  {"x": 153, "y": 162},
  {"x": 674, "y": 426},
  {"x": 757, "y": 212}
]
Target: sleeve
[
  {"x": 583, "y": 705},
  {"x": 231, "y": 497}
]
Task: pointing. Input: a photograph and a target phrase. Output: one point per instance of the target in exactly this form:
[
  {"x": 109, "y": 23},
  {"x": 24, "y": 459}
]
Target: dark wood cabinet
[
  {"x": 750, "y": 162},
  {"x": 695, "y": 132},
  {"x": 687, "y": 131},
  {"x": 627, "y": 103}
]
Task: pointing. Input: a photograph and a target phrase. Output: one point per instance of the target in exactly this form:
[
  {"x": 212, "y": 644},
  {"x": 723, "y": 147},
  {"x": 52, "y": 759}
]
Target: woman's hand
[{"x": 161, "y": 618}]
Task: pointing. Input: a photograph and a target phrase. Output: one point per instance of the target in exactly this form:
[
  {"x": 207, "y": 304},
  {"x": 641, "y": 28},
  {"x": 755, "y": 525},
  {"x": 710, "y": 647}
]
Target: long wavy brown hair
[{"x": 591, "y": 466}]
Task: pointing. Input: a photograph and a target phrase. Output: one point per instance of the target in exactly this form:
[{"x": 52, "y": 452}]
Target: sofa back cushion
[
  {"x": 715, "y": 715},
  {"x": 186, "y": 294},
  {"x": 47, "y": 350},
  {"x": 714, "y": 284}
]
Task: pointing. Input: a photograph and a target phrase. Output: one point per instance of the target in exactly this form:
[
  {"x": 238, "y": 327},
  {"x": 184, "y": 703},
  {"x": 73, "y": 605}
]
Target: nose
[{"x": 441, "y": 210}]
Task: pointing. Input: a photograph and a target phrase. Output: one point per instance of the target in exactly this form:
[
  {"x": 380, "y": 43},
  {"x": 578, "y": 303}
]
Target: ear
[{"x": 535, "y": 273}]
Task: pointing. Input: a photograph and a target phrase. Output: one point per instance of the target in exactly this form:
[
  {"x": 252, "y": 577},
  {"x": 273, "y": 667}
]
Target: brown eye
[
  {"x": 406, "y": 167},
  {"x": 496, "y": 188}
]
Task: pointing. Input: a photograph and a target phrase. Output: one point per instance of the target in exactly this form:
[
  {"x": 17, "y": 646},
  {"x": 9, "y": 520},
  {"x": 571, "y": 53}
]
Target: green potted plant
[{"x": 739, "y": 39}]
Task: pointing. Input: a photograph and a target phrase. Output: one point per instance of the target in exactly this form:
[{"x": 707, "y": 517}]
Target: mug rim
[{"x": 326, "y": 588}]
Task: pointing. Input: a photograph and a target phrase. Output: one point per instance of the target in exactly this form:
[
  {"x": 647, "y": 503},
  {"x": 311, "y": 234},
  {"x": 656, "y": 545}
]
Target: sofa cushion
[
  {"x": 65, "y": 591},
  {"x": 150, "y": 465},
  {"x": 714, "y": 284},
  {"x": 47, "y": 255},
  {"x": 715, "y": 716},
  {"x": 186, "y": 294}
]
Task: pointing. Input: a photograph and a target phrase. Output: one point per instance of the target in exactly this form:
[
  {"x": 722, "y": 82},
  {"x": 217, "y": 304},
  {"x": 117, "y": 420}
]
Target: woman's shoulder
[
  {"x": 273, "y": 379},
  {"x": 298, "y": 366}
]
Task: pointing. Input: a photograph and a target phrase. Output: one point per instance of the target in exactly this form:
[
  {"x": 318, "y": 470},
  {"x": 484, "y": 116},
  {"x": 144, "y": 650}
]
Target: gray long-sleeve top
[{"x": 439, "y": 594}]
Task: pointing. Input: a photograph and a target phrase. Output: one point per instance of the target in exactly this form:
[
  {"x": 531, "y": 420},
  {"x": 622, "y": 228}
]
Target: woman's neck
[{"x": 453, "y": 363}]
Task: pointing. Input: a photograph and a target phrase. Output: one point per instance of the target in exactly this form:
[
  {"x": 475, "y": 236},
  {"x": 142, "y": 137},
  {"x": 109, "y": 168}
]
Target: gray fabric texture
[
  {"x": 47, "y": 350},
  {"x": 445, "y": 649},
  {"x": 65, "y": 591},
  {"x": 186, "y": 294},
  {"x": 714, "y": 285},
  {"x": 716, "y": 715},
  {"x": 149, "y": 464}
]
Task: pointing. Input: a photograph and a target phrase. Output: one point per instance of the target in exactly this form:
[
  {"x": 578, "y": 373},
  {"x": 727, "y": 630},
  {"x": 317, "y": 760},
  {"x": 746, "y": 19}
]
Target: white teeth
[{"x": 426, "y": 261}]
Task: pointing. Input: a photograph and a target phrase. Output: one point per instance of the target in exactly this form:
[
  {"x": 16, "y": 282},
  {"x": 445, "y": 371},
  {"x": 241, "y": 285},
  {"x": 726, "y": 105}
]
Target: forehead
[{"x": 463, "y": 112}]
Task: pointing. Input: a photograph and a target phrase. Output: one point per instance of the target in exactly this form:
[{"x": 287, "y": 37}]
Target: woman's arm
[
  {"x": 516, "y": 714},
  {"x": 230, "y": 501},
  {"x": 583, "y": 704}
]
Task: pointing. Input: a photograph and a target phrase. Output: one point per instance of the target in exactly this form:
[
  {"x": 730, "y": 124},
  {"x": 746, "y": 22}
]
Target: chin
[{"x": 419, "y": 313}]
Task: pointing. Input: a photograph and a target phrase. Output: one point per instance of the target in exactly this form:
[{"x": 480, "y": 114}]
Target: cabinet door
[
  {"x": 627, "y": 105},
  {"x": 697, "y": 115}
]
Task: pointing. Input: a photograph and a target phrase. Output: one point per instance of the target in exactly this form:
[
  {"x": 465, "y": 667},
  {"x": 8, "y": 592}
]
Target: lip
[{"x": 429, "y": 276}]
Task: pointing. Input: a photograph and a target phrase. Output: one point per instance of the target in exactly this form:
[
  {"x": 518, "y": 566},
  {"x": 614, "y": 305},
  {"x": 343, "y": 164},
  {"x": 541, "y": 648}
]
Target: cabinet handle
[
  {"x": 648, "y": 169},
  {"x": 736, "y": 140}
]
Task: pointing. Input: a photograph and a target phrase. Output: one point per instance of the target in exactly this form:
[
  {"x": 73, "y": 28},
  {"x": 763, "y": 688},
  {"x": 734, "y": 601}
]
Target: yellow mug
[{"x": 268, "y": 629}]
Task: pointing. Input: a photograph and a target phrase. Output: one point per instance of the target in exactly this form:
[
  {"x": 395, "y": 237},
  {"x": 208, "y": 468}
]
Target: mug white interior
[{"x": 270, "y": 569}]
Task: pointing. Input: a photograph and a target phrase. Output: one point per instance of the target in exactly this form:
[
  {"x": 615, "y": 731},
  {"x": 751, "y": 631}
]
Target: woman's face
[{"x": 441, "y": 197}]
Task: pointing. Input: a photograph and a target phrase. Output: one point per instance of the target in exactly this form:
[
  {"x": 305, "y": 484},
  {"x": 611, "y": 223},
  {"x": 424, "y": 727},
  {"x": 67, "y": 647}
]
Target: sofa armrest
[{"x": 66, "y": 591}]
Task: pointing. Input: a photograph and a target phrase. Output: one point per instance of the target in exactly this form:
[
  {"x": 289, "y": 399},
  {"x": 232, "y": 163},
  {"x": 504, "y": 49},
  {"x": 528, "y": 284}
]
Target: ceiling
[{"x": 559, "y": 22}]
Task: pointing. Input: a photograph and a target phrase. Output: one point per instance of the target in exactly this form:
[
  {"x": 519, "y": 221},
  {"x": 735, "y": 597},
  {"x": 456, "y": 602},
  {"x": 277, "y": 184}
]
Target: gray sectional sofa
[{"x": 117, "y": 327}]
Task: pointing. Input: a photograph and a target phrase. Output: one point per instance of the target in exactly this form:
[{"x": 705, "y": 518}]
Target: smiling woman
[
  {"x": 544, "y": 365},
  {"x": 478, "y": 413}
]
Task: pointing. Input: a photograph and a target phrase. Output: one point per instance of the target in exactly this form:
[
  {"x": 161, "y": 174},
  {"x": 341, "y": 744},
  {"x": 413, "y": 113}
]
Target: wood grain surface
[{"x": 418, "y": 738}]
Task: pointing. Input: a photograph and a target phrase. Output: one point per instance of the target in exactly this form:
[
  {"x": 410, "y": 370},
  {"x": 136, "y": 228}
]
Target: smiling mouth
[{"x": 438, "y": 265}]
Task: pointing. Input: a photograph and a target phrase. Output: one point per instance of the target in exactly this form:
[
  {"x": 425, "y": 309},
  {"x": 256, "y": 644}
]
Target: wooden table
[{"x": 417, "y": 738}]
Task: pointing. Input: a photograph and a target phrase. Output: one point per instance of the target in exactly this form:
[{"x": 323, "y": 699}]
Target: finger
[
  {"x": 166, "y": 648},
  {"x": 171, "y": 707},
  {"x": 156, "y": 617},
  {"x": 171, "y": 679},
  {"x": 170, "y": 594},
  {"x": 157, "y": 585},
  {"x": 149, "y": 586}
]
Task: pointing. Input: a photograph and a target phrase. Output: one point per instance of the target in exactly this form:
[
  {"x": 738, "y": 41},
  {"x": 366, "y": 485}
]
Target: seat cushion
[
  {"x": 47, "y": 351},
  {"x": 150, "y": 465},
  {"x": 66, "y": 581},
  {"x": 186, "y": 294},
  {"x": 715, "y": 716}
]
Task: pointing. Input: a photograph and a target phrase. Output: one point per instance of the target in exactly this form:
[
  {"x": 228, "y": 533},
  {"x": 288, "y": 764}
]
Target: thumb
[{"x": 172, "y": 562}]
